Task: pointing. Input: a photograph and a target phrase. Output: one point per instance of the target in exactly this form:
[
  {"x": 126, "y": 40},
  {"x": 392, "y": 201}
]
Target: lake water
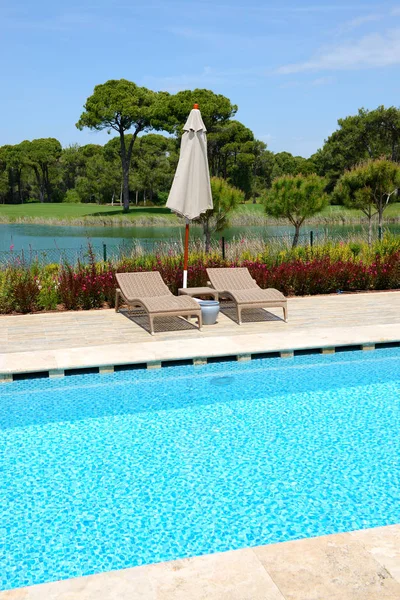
[{"x": 50, "y": 237}]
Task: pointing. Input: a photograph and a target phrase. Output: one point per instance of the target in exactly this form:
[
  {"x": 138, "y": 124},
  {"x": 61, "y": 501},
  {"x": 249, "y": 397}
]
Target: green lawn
[{"x": 77, "y": 211}]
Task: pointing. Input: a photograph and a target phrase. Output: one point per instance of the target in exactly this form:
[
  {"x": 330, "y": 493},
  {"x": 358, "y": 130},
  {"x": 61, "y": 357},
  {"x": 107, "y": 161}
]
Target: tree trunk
[
  {"x": 40, "y": 184},
  {"x": 126, "y": 161},
  {"x": 19, "y": 187},
  {"x": 11, "y": 183},
  {"x": 369, "y": 230},
  {"x": 137, "y": 196},
  {"x": 296, "y": 236},
  {"x": 46, "y": 182},
  {"x": 380, "y": 214},
  {"x": 125, "y": 171},
  {"x": 125, "y": 186}
]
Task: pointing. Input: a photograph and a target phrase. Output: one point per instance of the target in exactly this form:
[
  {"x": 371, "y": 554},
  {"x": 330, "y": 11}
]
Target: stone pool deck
[
  {"x": 361, "y": 565},
  {"x": 60, "y": 341}
]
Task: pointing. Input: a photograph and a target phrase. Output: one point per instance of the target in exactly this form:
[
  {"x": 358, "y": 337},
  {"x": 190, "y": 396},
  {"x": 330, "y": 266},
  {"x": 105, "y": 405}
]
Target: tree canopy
[
  {"x": 370, "y": 134},
  {"x": 215, "y": 108},
  {"x": 370, "y": 187},
  {"x": 296, "y": 198},
  {"x": 123, "y": 106},
  {"x": 42, "y": 156},
  {"x": 225, "y": 199}
]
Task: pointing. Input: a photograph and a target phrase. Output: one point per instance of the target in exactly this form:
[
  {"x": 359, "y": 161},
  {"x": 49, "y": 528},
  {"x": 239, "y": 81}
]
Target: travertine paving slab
[
  {"x": 227, "y": 576},
  {"x": 335, "y": 567},
  {"x": 383, "y": 543}
]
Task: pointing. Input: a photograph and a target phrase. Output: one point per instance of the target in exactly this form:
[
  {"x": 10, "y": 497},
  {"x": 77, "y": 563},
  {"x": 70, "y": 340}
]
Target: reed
[{"x": 245, "y": 216}]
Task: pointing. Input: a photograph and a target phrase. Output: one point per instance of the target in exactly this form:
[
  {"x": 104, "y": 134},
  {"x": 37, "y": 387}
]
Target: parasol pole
[
  {"x": 186, "y": 254},
  {"x": 186, "y": 248}
]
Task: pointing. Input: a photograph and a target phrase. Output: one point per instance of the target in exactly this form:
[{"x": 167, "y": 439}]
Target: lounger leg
[
  {"x": 239, "y": 313},
  {"x": 117, "y": 292},
  {"x": 285, "y": 313},
  {"x": 151, "y": 319},
  {"x": 200, "y": 321}
]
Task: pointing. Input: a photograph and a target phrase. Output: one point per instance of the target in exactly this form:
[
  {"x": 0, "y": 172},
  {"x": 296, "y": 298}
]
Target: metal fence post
[
  {"x": 223, "y": 247},
  {"x": 311, "y": 239},
  {"x": 104, "y": 252}
]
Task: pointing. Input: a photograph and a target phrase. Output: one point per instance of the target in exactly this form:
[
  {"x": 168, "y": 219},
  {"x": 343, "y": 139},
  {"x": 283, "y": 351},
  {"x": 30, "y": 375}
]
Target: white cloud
[
  {"x": 371, "y": 51},
  {"x": 323, "y": 81},
  {"x": 208, "y": 76},
  {"x": 358, "y": 22},
  {"x": 220, "y": 38},
  {"x": 290, "y": 84}
]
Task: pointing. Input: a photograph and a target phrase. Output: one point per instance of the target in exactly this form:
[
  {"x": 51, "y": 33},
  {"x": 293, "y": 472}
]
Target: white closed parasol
[{"x": 190, "y": 193}]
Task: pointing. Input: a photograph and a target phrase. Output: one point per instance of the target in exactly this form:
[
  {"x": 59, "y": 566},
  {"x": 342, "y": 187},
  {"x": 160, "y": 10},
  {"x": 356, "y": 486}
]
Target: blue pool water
[{"x": 103, "y": 472}]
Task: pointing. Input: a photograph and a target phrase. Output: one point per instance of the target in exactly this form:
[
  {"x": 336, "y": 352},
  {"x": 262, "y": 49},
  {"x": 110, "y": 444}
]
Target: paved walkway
[
  {"x": 362, "y": 565},
  {"x": 57, "y": 341}
]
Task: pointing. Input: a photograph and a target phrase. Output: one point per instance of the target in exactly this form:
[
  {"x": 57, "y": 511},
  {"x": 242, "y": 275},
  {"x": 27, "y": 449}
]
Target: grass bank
[
  {"x": 86, "y": 214},
  {"x": 97, "y": 215}
]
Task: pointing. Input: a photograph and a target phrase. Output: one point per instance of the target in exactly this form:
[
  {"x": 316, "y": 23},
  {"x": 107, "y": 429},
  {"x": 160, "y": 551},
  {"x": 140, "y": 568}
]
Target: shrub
[
  {"x": 22, "y": 288},
  {"x": 72, "y": 197},
  {"x": 6, "y": 299},
  {"x": 386, "y": 272}
]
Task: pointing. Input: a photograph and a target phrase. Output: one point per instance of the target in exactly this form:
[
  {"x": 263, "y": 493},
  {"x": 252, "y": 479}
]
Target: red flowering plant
[
  {"x": 385, "y": 271},
  {"x": 21, "y": 288}
]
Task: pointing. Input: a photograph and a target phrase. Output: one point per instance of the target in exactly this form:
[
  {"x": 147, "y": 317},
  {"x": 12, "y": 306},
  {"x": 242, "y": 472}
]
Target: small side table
[{"x": 199, "y": 291}]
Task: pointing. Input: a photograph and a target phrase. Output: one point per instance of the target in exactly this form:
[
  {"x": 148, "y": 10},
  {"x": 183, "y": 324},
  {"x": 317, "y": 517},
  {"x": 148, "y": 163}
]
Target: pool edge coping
[{"x": 108, "y": 367}]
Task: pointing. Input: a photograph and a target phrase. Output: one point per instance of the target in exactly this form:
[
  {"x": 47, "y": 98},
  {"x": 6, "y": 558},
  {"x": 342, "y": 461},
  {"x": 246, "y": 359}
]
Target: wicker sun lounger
[
  {"x": 238, "y": 285},
  {"x": 147, "y": 290}
]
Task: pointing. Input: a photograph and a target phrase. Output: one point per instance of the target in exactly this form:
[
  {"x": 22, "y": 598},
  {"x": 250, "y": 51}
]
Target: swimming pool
[{"x": 104, "y": 472}]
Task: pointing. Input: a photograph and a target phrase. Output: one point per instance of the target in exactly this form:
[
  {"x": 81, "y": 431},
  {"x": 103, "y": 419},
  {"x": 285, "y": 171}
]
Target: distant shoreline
[
  {"x": 92, "y": 215},
  {"x": 235, "y": 221}
]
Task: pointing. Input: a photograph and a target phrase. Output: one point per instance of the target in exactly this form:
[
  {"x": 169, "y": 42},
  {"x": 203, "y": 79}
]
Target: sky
[{"x": 293, "y": 68}]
